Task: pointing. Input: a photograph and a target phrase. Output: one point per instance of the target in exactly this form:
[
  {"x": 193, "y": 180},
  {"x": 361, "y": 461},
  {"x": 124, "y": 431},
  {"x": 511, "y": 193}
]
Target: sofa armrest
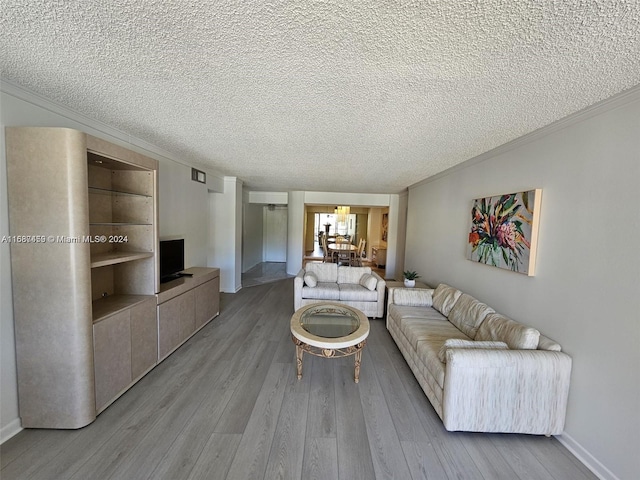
[
  {"x": 298, "y": 283},
  {"x": 506, "y": 391},
  {"x": 381, "y": 288}
]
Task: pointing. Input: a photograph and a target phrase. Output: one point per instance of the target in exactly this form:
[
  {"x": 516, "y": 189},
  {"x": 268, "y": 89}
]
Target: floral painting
[{"x": 504, "y": 231}]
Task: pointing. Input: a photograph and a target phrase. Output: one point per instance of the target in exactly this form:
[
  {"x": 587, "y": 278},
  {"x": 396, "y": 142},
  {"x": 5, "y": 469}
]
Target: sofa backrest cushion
[
  {"x": 351, "y": 274},
  {"x": 499, "y": 328},
  {"x": 468, "y": 313},
  {"x": 326, "y": 272},
  {"x": 413, "y": 297},
  {"x": 468, "y": 344},
  {"x": 444, "y": 298}
]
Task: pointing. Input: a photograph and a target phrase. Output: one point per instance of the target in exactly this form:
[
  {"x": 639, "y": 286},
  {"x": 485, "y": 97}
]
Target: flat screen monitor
[{"x": 171, "y": 259}]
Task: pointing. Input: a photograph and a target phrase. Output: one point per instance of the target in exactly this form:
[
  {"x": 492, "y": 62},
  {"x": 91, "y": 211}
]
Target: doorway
[{"x": 275, "y": 233}]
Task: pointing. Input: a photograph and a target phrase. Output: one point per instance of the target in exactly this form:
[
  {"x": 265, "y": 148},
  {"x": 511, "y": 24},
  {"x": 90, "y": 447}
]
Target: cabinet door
[
  {"x": 112, "y": 357},
  {"x": 144, "y": 337},
  {"x": 176, "y": 322},
  {"x": 168, "y": 326},
  {"x": 207, "y": 302},
  {"x": 187, "y": 315}
]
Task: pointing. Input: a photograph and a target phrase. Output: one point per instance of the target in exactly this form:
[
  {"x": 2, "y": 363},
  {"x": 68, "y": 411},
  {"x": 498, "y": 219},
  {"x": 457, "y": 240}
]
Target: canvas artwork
[{"x": 504, "y": 231}]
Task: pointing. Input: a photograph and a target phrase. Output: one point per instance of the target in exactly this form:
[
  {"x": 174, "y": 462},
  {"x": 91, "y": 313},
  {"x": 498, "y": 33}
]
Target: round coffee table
[{"x": 329, "y": 330}]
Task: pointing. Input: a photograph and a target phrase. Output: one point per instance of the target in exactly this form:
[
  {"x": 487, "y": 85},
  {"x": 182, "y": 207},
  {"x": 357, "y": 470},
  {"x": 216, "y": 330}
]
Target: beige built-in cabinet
[
  {"x": 83, "y": 233},
  {"x": 192, "y": 300}
]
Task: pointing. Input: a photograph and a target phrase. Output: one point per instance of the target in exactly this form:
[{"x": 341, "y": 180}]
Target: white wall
[
  {"x": 225, "y": 234},
  {"x": 586, "y": 291},
  {"x": 183, "y": 211}
]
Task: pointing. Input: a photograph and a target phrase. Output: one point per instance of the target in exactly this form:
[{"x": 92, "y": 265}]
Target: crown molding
[
  {"x": 96, "y": 127},
  {"x": 619, "y": 100}
]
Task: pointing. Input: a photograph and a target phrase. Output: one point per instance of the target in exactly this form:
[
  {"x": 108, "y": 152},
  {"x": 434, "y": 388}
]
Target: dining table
[{"x": 343, "y": 249}]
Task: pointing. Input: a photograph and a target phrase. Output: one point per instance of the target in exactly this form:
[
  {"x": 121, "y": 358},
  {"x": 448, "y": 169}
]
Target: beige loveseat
[
  {"x": 481, "y": 371},
  {"x": 357, "y": 287}
]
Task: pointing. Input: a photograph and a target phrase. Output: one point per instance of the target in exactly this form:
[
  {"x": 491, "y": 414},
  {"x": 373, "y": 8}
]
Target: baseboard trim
[
  {"x": 586, "y": 458},
  {"x": 10, "y": 430}
]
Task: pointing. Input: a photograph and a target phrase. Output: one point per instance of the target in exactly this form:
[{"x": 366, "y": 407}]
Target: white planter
[{"x": 409, "y": 283}]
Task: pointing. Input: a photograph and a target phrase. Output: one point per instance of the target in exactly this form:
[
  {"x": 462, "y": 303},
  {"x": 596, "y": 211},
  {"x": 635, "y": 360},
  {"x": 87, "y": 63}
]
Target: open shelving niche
[{"x": 122, "y": 232}]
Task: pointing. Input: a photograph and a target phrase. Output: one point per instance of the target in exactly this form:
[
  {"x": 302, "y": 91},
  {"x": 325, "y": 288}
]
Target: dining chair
[
  {"x": 326, "y": 254},
  {"x": 360, "y": 252}
]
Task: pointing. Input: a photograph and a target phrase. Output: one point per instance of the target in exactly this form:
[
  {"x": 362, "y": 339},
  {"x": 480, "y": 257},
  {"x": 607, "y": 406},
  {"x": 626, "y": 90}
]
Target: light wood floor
[{"x": 227, "y": 405}]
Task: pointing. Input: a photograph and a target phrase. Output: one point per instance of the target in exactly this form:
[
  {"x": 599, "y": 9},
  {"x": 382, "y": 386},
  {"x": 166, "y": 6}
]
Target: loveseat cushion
[
  {"x": 500, "y": 328},
  {"x": 322, "y": 291},
  {"x": 468, "y": 344},
  {"x": 326, "y": 272},
  {"x": 444, "y": 298},
  {"x": 413, "y": 297},
  {"x": 357, "y": 293},
  {"x": 468, "y": 313},
  {"x": 351, "y": 274}
]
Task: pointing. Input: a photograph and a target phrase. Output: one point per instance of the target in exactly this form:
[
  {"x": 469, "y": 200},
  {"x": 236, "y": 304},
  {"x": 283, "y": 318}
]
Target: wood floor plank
[
  {"x": 354, "y": 454},
  {"x": 321, "y": 421},
  {"x": 487, "y": 457},
  {"x": 188, "y": 446},
  {"x": 384, "y": 444},
  {"x": 216, "y": 457},
  {"x": 320, "y": 459},
  {"x": 522, "y": 461},
  {"x": 404, "y": 416},
  {"x": 423, "y": 461},
  {"x": 287, "y": 448},
  {"x": 253, "y": 452},
  {"x": 238, "y": 411},
  {"x": 558, "y": 461}
]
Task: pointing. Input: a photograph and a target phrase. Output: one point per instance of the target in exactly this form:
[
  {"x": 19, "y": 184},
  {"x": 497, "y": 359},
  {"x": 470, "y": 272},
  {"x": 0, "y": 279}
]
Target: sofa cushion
[
  {"x": 357, "y": 293},
  {"x": 310, "y": 279},
  {"x": 368, "y": 281},
  {"x": 402, "y": 311},
  {"x": 500, "y": 328},
  {"x": 326, "y": 272},
  {"x": 444, "y": 298},
  {"x": 467, "y": 344},
  {"x": 351, "y": 274},
  {"x": 433, "y": 330},
  {"x": 468, "y": 313},
  {"x": 322, "y": 291},
  {"x": 413, "y": 297}
]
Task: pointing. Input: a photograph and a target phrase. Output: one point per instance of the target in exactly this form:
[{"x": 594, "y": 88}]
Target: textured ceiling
[{"x": 334, "y": 95}]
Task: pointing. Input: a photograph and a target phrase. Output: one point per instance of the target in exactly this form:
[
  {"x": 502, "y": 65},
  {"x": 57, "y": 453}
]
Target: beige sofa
[
  {"x": 357, "y": 287},
  {"x": 481, "y": 371}
]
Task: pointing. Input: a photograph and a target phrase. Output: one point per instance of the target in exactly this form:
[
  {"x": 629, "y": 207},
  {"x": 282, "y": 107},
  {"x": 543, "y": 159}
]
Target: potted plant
[{"x": 410, "y": 278}]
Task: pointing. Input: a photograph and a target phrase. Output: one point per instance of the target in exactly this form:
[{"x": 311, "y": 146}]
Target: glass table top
[{"x": 329, "y": 321}]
